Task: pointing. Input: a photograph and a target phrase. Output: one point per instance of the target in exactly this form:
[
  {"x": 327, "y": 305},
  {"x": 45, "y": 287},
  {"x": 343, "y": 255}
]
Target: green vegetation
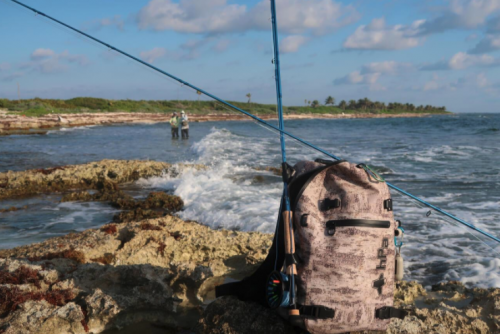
[{"x": 39, "y": 107}]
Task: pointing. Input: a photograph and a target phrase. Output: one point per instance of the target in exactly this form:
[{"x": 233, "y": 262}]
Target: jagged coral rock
[
  {"x": 152, "y": 272},
  {"x": 101, "y": 175}
]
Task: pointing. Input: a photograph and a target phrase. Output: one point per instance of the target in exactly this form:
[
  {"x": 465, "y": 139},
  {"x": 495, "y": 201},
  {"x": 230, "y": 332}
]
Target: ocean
[{"x": 451, "y": 161}]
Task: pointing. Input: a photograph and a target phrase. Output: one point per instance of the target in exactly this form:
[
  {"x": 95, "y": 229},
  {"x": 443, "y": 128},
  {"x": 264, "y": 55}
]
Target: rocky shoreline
[
  {"x": 19, "y": 124},
  {"x": 136, "y": 274},
  {"x": 93, "y": 175}
]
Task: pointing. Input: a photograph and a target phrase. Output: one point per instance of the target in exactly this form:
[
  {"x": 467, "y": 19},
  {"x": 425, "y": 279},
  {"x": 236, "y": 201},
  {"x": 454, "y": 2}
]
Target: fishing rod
[
  {"x": 291, "y": 269},
  {"x": 306, "y": 143}
]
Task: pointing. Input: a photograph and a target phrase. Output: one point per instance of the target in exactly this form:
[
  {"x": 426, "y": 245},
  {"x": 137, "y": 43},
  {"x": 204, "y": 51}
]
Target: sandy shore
[{"x": 19, "y": 124}]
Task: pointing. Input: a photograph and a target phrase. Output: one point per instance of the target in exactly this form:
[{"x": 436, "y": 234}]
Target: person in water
[
  {"x": 174, "y": 124},
  {"x": 184, "y": 125}
]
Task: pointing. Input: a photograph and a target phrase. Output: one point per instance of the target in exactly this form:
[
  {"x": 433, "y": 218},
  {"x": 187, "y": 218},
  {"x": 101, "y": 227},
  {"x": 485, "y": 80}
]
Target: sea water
[{"x": 451, "y": 161}]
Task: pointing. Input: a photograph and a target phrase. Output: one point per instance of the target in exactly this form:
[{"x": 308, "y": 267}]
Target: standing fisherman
[
  {"x": 184, "y": 125},
  {"x": 174, "y": 123}
]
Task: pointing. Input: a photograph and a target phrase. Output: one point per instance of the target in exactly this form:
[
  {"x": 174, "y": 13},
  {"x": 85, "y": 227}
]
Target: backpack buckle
[
  {"x": 388, "y": 312},
  {"x": 388, "y": 204},
  {"x": 329, "y": 204},
  {"x": 383, "y": 313},
  {"x": 330, "y": 227}
]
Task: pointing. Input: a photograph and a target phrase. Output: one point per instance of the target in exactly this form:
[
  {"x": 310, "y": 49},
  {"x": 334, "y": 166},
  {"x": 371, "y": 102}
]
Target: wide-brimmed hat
[{"x": 182, "y": 112}]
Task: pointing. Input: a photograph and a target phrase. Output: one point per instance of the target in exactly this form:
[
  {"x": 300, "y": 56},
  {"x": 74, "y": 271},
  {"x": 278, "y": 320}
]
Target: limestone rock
[
  {"x": 155, "y": 271},
  {"x": 104, "y": 174},
  {"x": 228, "y": 315}
]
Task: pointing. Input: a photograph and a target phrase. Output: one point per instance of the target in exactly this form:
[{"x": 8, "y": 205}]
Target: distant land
[
  {"x": 39, "y": 107},
  {"x": 38, "y": 116}
]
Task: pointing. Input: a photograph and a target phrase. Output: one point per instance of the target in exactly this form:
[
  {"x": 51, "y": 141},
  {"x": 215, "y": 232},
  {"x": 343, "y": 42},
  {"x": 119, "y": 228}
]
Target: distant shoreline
[{"x": 20, "y": 124}]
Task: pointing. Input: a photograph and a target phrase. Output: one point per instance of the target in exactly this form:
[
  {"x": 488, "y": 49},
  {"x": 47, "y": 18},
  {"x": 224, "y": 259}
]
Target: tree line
[{"x": 367, "y": 105}]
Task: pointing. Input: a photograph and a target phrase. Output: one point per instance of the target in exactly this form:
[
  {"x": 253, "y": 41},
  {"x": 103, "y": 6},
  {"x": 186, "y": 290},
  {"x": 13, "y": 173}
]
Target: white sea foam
[
  {"x": 229, "y": 195},
  {"x": 70, "y": 129}
]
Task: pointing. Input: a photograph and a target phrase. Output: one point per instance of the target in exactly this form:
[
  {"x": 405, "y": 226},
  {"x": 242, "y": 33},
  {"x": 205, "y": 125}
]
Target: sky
[{"x": 439, "y": 52}]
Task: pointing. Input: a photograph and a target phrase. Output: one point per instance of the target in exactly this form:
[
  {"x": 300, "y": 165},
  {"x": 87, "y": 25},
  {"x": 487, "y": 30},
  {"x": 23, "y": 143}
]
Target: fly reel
[{"x": 278, "y": 290}]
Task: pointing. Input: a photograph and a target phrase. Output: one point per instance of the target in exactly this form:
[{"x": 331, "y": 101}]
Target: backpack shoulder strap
[{"x": 253, "y": 287}]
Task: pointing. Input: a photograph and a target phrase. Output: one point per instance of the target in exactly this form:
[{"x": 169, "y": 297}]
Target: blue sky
[{"x": 423, "y": 52}]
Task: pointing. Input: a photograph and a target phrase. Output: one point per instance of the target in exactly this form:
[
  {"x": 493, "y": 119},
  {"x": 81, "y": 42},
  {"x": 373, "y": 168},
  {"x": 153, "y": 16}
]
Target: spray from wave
[{"x": 231, "y": 193}]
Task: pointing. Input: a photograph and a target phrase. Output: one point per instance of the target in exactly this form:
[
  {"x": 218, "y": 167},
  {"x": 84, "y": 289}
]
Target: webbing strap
[
  {"x": 388, "y": 312},
  {"x": 316, "y": 311}
]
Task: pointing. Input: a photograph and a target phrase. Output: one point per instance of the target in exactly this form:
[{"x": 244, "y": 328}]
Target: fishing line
[{"x": 283, "y": 132}]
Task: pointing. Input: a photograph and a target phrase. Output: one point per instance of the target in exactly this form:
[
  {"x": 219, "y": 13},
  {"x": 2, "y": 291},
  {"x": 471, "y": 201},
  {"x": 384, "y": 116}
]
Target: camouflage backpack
[{"x": 344, "y": 251}]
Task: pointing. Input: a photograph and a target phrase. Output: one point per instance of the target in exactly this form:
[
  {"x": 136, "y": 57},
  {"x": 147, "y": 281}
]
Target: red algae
[
  {"x": 11, "y": 298},
  {"x": 161, "y": 248},
  {"x": 84, "y": 321},
  {"x": 107, "y": 258},
  {"x": 71, "y": 254},
  {"x": 110, "y": 229},
  {"x": 22, "y": 275},
  {"x": 150, "y": 227}
]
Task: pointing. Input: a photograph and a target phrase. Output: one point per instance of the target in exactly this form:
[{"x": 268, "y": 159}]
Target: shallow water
[{"x": 451, "y": 161}]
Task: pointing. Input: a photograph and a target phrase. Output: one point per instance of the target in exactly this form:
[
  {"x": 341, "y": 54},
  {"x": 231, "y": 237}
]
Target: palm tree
[
  {"x": 199, "y": 94},
  {"x": 315, "y": 103},
  {"x": 352, "y": 105},
  {"x": 249, "y": 97},
  {"x": 305, "y": 102},
  {"x": 329, "y": 100},
  {"x": 343, "y": 105}
]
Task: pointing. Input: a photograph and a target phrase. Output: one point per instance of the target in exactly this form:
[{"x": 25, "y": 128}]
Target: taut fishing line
[{"x": 262, "y": 122}]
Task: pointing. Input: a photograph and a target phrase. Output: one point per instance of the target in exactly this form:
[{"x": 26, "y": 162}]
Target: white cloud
[
  {"x": 461, "y": 61},
  {"x": 12, "y": 76},
  {"x": 115, "y": 21},
  {"x": 42, "y": 53},
  {"x": 152, "y": 55},
  {"x": 431, "y": 85},
  {"x": 389, "y": 67},
  {"x": 221, "y": 45},
  {"x": 292, "y": 43},
  {"x": 80, "y": 59},
  {"x": 316, "y": 17},
  {"x": 473, "y": 80},
  {"x": 191, "y": 16},
  {"x": 48, "y": 61},
  {"x": 481, "y": 80},
  {"x": 356, "y": 78},
  {"x": 372, "y": 72},
  {"x": 488, "y": 44},
  {"x": 378, "y": 36},
  {"x": 462, "y": 14},
  {"x": 469, "y": 81}
]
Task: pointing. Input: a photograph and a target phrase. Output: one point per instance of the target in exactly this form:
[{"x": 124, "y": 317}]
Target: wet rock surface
[
  {"x": 156, "y": 205},
  {"x": 101, "y": 175},
  {"x": 158, "y": 271},
  {"x": 158, "y": 275},
  {"x": 229, "y": 315},
  {"x": 453, "y": 308},
  {"x": 163, "y": 271}
]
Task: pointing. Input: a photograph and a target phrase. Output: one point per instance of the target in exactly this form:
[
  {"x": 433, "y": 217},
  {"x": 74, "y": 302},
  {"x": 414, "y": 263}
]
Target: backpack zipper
[{"x": 332, "y": 225}]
